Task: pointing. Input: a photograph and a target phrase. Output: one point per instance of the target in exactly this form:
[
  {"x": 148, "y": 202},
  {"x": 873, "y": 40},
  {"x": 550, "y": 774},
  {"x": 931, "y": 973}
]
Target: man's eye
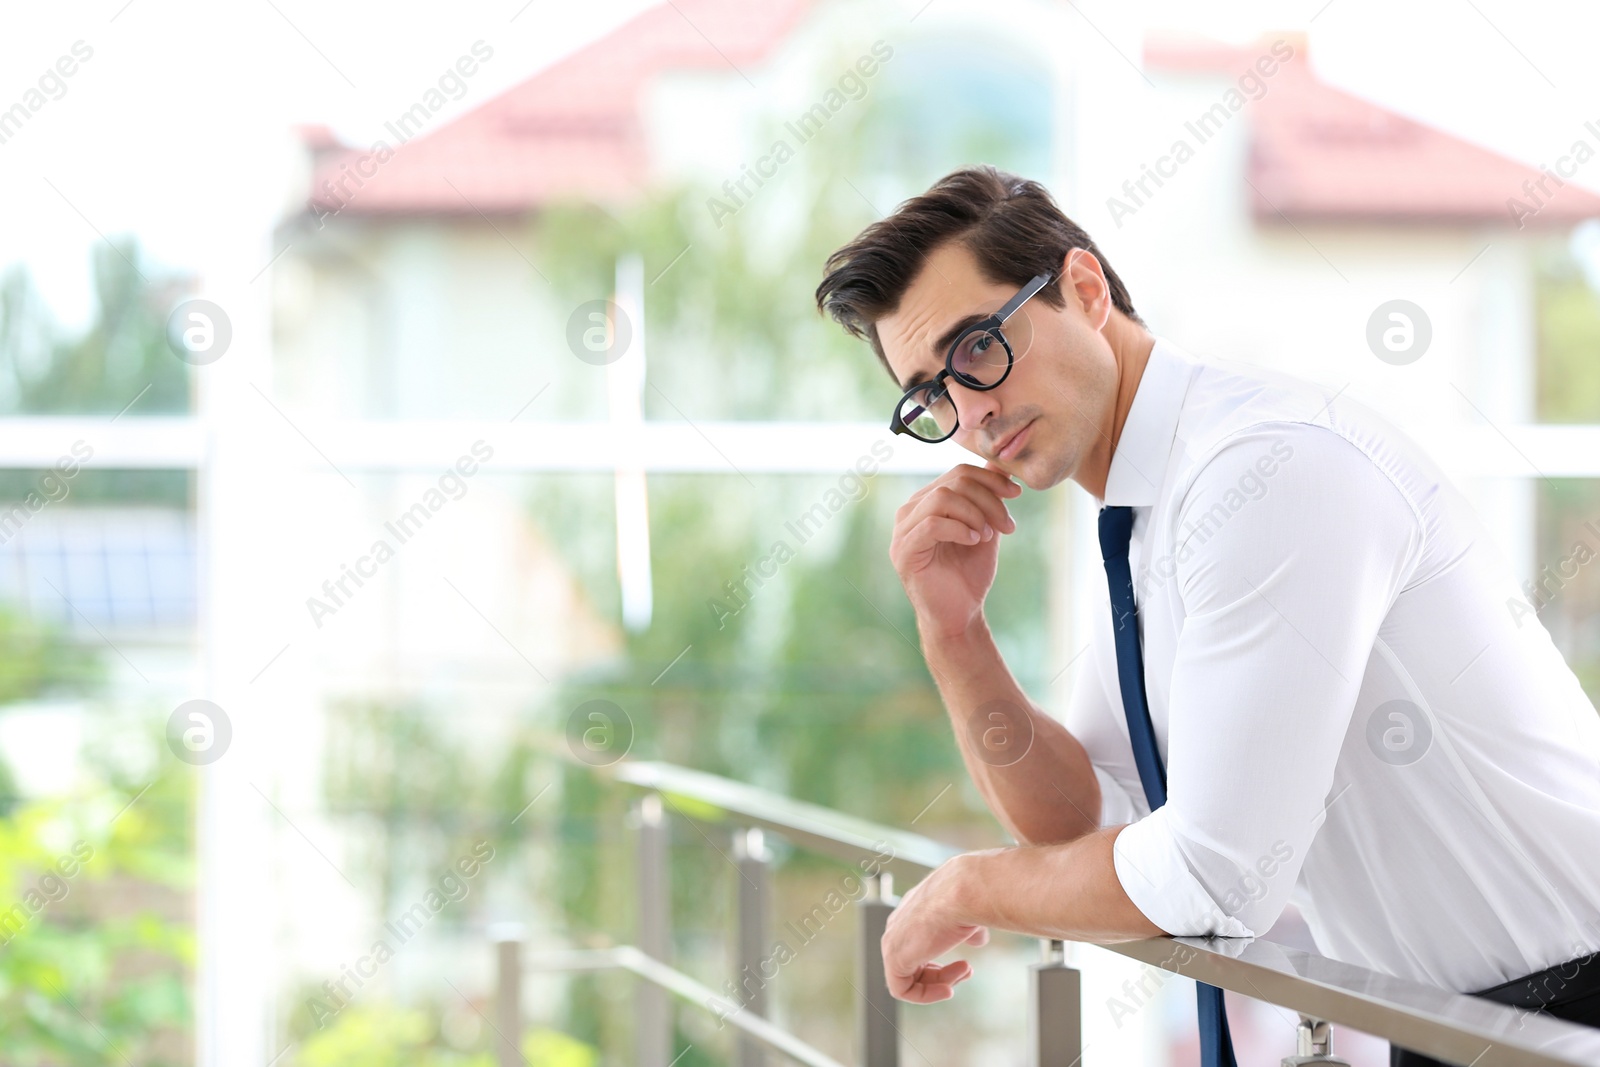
[{"x": 974, "y": 347}]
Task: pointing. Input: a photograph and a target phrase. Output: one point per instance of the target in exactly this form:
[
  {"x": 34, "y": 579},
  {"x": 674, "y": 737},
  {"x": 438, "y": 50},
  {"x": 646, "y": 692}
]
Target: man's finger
[
  {"x": 966, "y": 498},
  {"x": 927, "y": 534},
  {"x": 990, "y": 476},
  {"x": 956, "y": 504},
  {"x": 935, "y": 982},
  {"x": 1009, "y": 482}
]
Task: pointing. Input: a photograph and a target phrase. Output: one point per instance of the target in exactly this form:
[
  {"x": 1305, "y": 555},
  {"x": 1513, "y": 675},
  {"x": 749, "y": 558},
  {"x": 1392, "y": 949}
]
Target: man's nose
[{"x": 973, "y": 409}]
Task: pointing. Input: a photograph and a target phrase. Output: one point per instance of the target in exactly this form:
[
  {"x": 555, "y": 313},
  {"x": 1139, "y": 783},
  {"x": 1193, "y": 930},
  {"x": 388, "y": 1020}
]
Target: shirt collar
[{"x": 1139, "y": 464}]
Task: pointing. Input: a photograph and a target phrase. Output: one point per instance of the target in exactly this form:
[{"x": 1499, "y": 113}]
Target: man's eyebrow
[{"x": 941, "y": 347}]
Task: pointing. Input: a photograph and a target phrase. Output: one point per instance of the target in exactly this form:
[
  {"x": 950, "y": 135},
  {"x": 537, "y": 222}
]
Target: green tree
[
  {"x": 37, "y": 660},
  {"x": 122, "y": 355},
  {"x": 384, "y": 1036},
  {"x": 122, "y": 358},
  {"x": 93, "y": 967}
]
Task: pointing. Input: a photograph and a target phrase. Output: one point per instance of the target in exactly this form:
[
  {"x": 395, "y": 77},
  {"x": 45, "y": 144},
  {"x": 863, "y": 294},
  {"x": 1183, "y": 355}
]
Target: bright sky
[
  {"x": 183, "y": 112},
  {"x": 179, "y": 121}
]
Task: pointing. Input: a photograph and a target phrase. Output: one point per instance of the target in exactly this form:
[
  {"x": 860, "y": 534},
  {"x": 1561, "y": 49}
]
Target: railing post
[
  {"x": 1314, "y": 1045},
  {"x": 653, "y": 1017},
  {"x": 754, "y": 865},
  {"x": 1055, "y": 1009},
  {"x": 877, "y": 1027},
  {"x": 507, "y": 938}
]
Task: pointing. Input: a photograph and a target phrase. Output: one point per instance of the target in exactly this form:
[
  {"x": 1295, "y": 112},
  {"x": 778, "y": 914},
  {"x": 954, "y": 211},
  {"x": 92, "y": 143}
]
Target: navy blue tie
[{"x": 1116, "y": 530}]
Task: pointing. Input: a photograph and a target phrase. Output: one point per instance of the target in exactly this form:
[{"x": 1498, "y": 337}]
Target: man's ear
[
  {"x": 1066, "y": 263},
  {"x": 1092, "y": 275}
]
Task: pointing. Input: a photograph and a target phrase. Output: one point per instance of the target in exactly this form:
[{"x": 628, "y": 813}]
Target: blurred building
[{"x": 1264, "y": 220}]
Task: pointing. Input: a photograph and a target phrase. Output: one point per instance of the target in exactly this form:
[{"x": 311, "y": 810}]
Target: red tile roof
[
  {"x": 574, "y": 128},
  {"x": 1317, "y": 153}
]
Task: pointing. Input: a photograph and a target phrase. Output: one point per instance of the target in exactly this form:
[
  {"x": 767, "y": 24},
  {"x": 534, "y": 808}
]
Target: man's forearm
[
  {"x": 1068, "y": 891},
  {"x": 1034, "y": 775}
]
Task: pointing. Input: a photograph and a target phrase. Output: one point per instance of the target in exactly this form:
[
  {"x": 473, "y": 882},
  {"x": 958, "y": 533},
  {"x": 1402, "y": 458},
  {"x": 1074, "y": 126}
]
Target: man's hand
[
  {"x": 924, "y": 926},
  {"x": 1068, "y": 891},
  {"x": 946, "y": 545}
]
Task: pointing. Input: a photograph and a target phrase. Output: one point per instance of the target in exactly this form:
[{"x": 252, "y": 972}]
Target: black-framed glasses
[{"x": 980, "y": 358}]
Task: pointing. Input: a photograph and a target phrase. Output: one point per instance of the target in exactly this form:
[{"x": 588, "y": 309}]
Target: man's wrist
[
  {"x": 958, "y": 646},
  {"x": 965, "y": 896},
  {"x": 972, "y": 875}
]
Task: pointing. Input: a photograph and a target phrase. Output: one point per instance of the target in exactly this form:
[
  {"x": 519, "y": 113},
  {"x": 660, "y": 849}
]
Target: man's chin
[
  {"x": 1038, "y": 473},
  {"x": 1026, "y": 471},
  {"x": 1033, "y": 482}
]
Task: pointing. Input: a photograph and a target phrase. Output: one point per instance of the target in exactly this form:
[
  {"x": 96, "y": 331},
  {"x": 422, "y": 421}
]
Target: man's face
[{"x": 1062, "y": 386}]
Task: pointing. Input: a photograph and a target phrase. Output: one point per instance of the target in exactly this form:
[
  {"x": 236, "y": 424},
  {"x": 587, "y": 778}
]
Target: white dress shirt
[{"x": 1352, "y": 710}]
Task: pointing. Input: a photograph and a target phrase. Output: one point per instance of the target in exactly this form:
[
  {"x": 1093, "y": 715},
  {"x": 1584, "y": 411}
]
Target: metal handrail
[
  {"x": 643, "y": 966},
  {"x": 812, "y": 826},
  {"x": 1435, "y": 1022}
]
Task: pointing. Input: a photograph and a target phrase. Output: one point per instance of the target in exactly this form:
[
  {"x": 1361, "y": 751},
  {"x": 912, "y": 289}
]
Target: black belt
[
  {"x": 1568, "y": 991},
  {"x": 1560, "y": 986}
]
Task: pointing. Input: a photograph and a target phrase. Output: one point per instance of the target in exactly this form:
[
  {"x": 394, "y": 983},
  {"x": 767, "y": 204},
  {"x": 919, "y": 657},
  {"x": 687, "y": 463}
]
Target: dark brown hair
[{"x": 1010, "y": 224}]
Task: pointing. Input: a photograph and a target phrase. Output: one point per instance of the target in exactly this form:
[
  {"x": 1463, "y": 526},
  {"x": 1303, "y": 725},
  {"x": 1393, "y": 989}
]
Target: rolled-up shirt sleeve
[{"x": 1282, "y": 605}]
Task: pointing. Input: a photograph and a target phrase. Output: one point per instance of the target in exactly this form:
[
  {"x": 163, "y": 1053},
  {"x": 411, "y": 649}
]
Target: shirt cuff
[{"x": 1156, "y": 877}]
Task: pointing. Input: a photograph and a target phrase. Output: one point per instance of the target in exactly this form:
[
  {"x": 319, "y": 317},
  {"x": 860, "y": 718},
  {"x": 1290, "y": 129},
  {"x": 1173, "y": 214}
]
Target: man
[{"x": 1305, "y": 683}]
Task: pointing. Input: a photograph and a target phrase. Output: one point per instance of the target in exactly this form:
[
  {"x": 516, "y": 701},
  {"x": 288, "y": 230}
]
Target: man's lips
[{"x": 1011, "y": 442}]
